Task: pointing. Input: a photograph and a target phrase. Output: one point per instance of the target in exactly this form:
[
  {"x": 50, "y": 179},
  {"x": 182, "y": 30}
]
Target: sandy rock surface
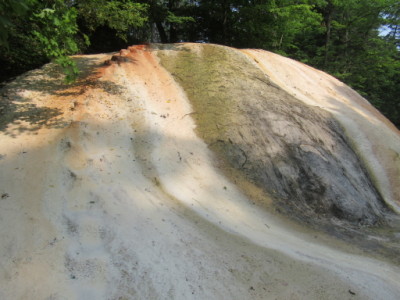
[{"x": 150, "y": 178}]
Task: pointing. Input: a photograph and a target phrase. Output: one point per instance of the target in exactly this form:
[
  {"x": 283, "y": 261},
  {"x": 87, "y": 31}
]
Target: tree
[
  {"x": 355, "y": 52},
  {"x": 52, "y": 29},
  {"x": 10, "y": 10},
  {"x": 391, "y": 20},
  {"x": 110, "y": 25},
  {"x": 55, "y": 27},
  {"x": 169, "y": 17},
  {"x": 276, "y": 25}
]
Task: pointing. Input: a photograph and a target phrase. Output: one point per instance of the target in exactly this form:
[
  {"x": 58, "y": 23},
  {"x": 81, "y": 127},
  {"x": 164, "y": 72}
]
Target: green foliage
[
  {"x": 20, "y": 51},
  {"x": 293, "y": 20},
  {"x": 376, "y": 75},
  {"x": 172, "y": 18},
  {"x": 10, "y": 9},
  {"x": 56, "y": 29},
  {"x": 117, "y": 15},
  {"x": 50, "y": 29},
  {"x": 357, "y": 54}
]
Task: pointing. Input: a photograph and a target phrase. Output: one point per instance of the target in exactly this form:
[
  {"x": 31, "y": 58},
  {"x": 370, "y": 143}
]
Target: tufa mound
[{"x": 194, "y": 171}]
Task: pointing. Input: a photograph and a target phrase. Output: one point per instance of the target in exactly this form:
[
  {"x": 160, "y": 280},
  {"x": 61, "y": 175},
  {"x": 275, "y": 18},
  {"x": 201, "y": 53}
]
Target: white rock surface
[{"x": 115, "y": 197}]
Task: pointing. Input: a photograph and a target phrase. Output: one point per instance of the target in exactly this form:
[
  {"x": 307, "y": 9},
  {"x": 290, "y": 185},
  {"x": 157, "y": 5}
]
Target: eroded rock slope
[
  {"x": 297, "y": 152},
  {"x": 159, "y": 173}
]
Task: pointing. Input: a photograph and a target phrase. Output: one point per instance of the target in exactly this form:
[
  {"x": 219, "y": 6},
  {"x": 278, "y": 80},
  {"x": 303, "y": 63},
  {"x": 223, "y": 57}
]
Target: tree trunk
[
  {"x": 161, "y": 31},
  {"x": 328, "y": 23},
  {"x": 173, "y": 38},
  {"x": 225, "y": 7}
]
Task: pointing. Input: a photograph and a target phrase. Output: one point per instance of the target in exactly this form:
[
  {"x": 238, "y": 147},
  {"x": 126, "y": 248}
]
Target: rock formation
[{"x": 196, "y": 171}]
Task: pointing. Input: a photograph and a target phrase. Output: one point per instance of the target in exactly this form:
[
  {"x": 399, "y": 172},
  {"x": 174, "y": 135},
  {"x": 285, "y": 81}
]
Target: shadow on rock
[
  {"x": 15, "y": 109},
  {"x": 27, "y": 117}
]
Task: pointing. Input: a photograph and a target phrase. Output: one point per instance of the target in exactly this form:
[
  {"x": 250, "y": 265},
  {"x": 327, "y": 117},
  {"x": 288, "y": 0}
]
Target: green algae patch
[
  {"x": 202, "y": 74},
  {"x": 215, "y": 80}
]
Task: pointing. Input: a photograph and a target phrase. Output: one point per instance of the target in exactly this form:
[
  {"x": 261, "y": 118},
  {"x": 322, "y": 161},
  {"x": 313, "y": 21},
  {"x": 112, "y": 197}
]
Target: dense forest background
[{"x": 357, "y": 41}]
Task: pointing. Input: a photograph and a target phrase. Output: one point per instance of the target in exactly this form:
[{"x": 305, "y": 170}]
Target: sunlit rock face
[{"x": 195, "y": 171}]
